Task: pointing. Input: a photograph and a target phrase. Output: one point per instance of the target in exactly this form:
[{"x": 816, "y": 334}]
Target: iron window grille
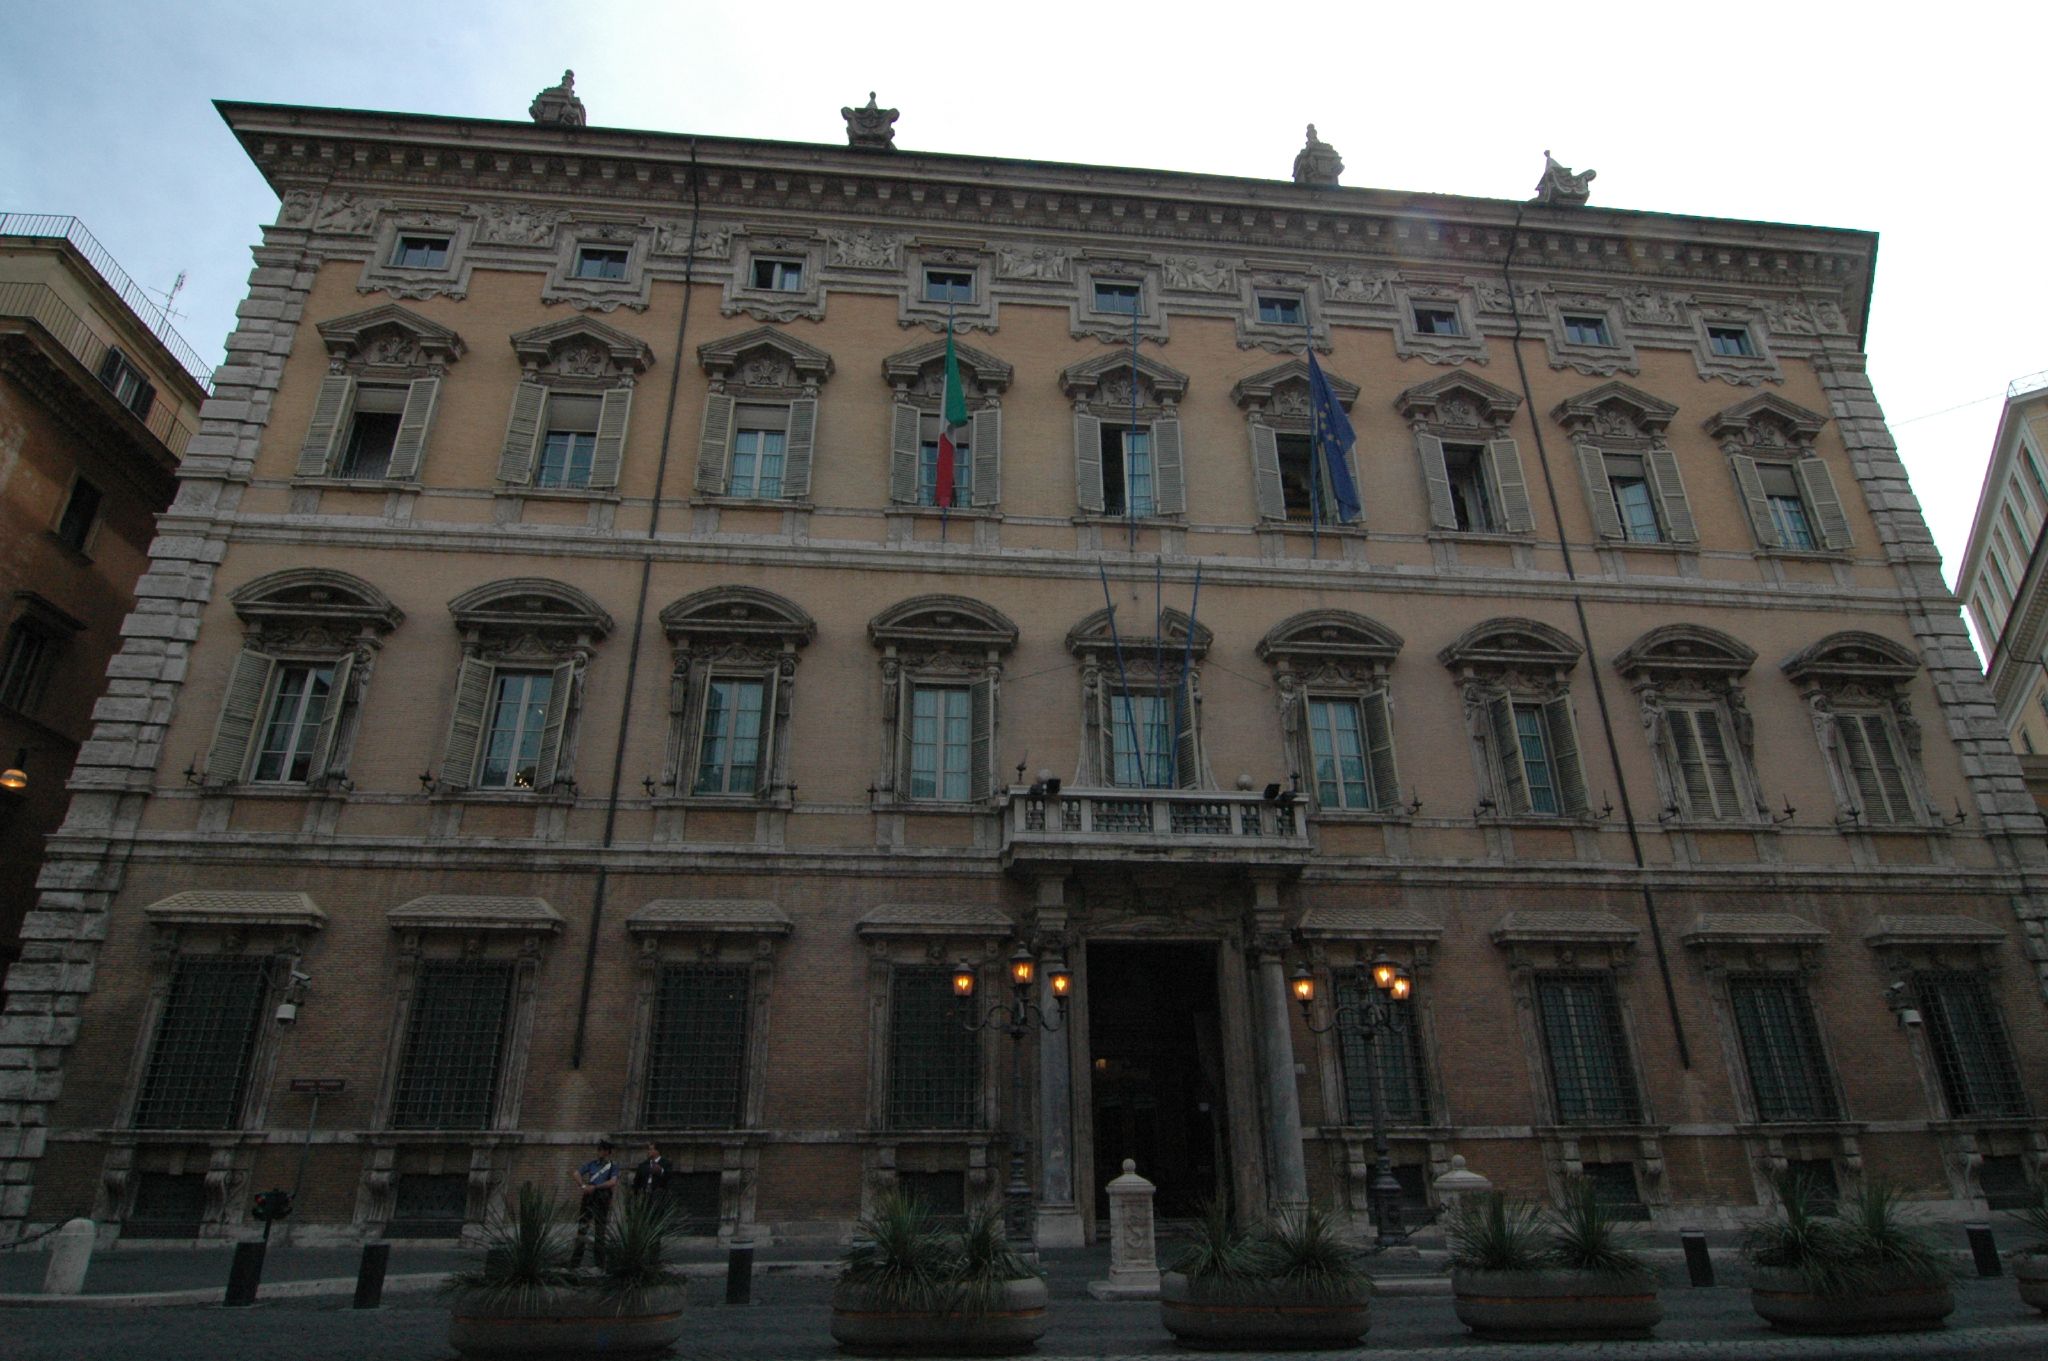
[
  {"x": 697, "y": 1051},
  {"x": 694, "y": 1199},
  {"x": 1972, "y": 1053},
  {"x": 428, "y": 1205},
  {"x": 1781, "y": 1047},
  {"x": 934, "y": 1059},
  {"x": 1615, "y": 1186},
  {"x": 167, "y": 1205},
  {"x": 205, "y": 1044},
  {"x": 1394, "y": 1058},
  {"x": 453, "y": 1043},
  {"x": 1587, "y": 1049}
]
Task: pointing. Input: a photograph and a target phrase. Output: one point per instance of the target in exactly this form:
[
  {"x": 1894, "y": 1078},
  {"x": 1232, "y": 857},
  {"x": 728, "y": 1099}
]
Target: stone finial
[
  {"x": 1318, "y": 162},
  {"x": 1461, "y": 1182},
  {"x": 1559, "y": 186},
  {"x": 558, "y": 104},
  {"x": 870, "y": 128}
]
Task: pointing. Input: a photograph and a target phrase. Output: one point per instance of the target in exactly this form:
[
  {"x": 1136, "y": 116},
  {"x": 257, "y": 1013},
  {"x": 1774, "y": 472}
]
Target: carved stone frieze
[
  {"x": 1019, "y": 261},
  {"x": 1196, "y": 274},
  {"x": 1357, "y": 285},
  {"x": 516, "y": 224},
  {"x": 865, "y": 249},
  {"x": 714, "y": 239},
  {"x": 347, "y": 215}
]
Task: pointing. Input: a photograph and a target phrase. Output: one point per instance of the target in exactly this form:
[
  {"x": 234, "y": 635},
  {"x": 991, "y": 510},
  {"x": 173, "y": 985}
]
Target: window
[
  {"x": 1142, "y": 717},
  {"x": 199, "y": 1060},
  {"x": 1437, "y": 321},
  {"x": 735, "y": 657},
  {"x": 1304, "y": 479},
  {"x": 1532, "y": 735},
  {"x": 697, "y": 1047},
  {"x": 565, "y": 440},
  {"x": 1871, "y": 754},
  {"x": 299, "y": 698},
  {"x": 512, "y": 728},
  {"x": 1121, "y": 299},
  {"x": 520, "y": 702},
  {"x": 454, "y": 1041},
  {"x": 1472, "y": 499},
  {"x": 732, "y": 728},
  {"x": 1330, "y": 670},
  {"x": 372, "y": 414},
  {"x": 1141, "y": 741},
  {"x": 1279, "y": 309},
  {"x": 941, "y": 742},
  {"x": 1352, "y": 746},
  {"x": 761, "y": 418},
  {"x": 928, "y": 463},
  {"x": 420, "y": 252},
  {"x": 1513, "y": 675},
  {"x": 1785, "y": 483},
  {"x": 1972, "y": 1053},
  {"x": 1393, "y": 1059},
  {"x": 1629, "y": 484},
  {"x": 600, "y": 262},
  {"x": 373, "y": 422},
  {"x": 1614, "y": 1185},
  {"x": 1536, "y": 748},
  {"x": 1787, "y": 506},
  {"x": 568, "y": 446},
  {"x": 1127, "y": 472},
  {"x": 1781, "y": 1047},
  {"x": 130, "y": 386},
  {"x": 25, "y": 666},
  {"x": 778, "y": 275},
  {"x": 1580, "y": 329},
  {"x": 1127, "y": 444},
  {"x": 81, "y": 514},
  {"x": 1585, "y": 1049},
  {"x": 1857, "y": 690},
  {"x": 1471, "y": 467},
  {"x": 934, "y": 1059},
  {"x": 949, "y": 285},
  {"x": 1731, "y": 342},
  {"x": 941, "y": 665},
  {"x": 1705, "y": 763},
  {"x": 759, "y": 445}
]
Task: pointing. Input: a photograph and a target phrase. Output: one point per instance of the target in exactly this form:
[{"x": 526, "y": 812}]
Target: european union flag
[{"x": 1333, "y": 438}]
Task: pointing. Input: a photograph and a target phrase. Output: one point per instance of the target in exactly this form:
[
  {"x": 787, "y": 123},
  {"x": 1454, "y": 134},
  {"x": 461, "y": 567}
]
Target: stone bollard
[
  {"x": 1133, "y": 1250},
  {"x": 1454, "y": 1187},
  {"x": 70, "y": 1255}
]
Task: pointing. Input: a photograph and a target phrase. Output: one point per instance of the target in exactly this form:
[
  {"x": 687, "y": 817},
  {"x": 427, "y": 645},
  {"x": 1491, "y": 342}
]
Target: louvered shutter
[
  {"x": 1088, "y": 462},
  {"x": 522, "y": 434},
  {"x": 1436, "y": 477},
  {"x": 1511, "y": 487},
  {"x": 547, "y": 765},
  {"x": 1819, "y": 486},
  {"x": 714, "y": 444},
  {"x": 766, "y": 768},
  {"x": 1891, "y": 772},
  {"x": 905, "y": 422},
  {"x": 418, "y": 417},
  {"x": 1599, "y": 492},
  {"x": 1379, "y": 751},
  {"x": 240, "y": 707},
  {"x": 1187, "y": 756},
  {"x": 466, "y": 724},
  {"x": 1170, "y": 477},
  {"x": 1507, "y": 749},
  {"x": 1685, "y": 751},
  {"x": 1670, "y": 492},
  {"x": 1564, "y": 754},
  {"x": 1266, "y": 485},
  {"x": 610, "y": 453},
  {"x": 1758, "y": 504},
  {"x": 330, "y": 720},
  {"x": 981, "y": 705},
  {"x": 672, "y": 775},
  {"x": 985, "y": 430},
  {"x": 1857, "y": 754},
  {"x": 1719, "y": 760},
  {"x": 796, "y": 462},
  {"x": 330, "y": 418}
]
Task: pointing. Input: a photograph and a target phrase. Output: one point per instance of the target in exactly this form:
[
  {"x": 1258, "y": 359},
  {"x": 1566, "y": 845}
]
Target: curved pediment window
[
  {"x": 942, "y": 664},
  {"x": 1471, "y": 467},
  {"x": 375, "y": 408},
  {"x": 1857, "y": 688},
  {"x": 761, "y": 416},
  {"x": 1127, "y": 436},
  {"x": 1336, "y": 709},
  {"x": 1289, "y": 481},
  {"x": 916, "y": 426},
  {"x": 730, "y": 692},
  {"x": 1141, "y": 702},
  {"x": 1515, "y": 678},
  {"x": 1688, "y": 684}
]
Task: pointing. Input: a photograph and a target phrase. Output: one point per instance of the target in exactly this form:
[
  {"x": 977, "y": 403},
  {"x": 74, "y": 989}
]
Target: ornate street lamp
[
  {"x": 1018, "y": 1017},
  {"x": 1378, "y": 1009}
]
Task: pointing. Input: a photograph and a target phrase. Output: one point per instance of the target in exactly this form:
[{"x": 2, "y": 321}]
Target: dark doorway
[{"x": 1155, "y": 1042}]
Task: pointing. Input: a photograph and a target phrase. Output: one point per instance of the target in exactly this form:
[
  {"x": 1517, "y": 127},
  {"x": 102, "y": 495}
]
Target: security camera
[
  {"x": 1909, "y": 1016},
  {"x": 300, "y": 980},
  {"x": 1894, "y": 989},
  {"x": 287, "y": 1013}
]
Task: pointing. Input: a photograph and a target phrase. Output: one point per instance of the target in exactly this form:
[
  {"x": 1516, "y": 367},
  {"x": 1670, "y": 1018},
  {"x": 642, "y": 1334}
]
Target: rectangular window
[
  {"x": 1633, "y": 501},
  {"x": 1781, "y": 1048},
  {"x": 1471, "y": 498},
  {"x": 130, "y": 386},
  {"x": 1304, "y": 482},
  {"x": 1121, "y": 299},
  {"x": 1141, "y": 741},
  {"x": 2004, "y": 1179},
  {"x": 941, "y": 743},
  {"x": 1585, "y": 1048},
  {"x": 167, "y": 1205},
  {"x": 372, "y": 432},
  {"x": 513, "y": 728},
  {"x": 600, "y": 262},
  {"x": 420, "y": 252},
  {"x": 928, "y": 463},
  {"x": 1437, "y": 321},
  {"x": 934, "y": 1059},
  {"x": 1532, "y": 735},
  {"x": 1871, "y": 756},
  {"x": 1393, "y": 1060},
  {"x": 697, "y": 1047},
  {"x": 1587, "y": 330},
  {"x": 729, "y": 752},
  {"x": 1972, "y": 1052},
  {"x": 759, "y": 443},
  {"x": 949, "y": 285},
  {"x": 1731, "y": 342},
  {"x": 1336, "y": 733},
  {"x": 205, "y": 1041},
  {"x": 454, "y": 1041},
  {"x": 428, "y": 1205},
  {"x": 74, "y": 526},
  {"x": 25, "y": 666},
  {"x": 569, "y": 441},
  {"x": 1615, "y": 1186},
  {"x": 1787, "y": 504},
  {"x": 1127, "y": 471},
  {"x": 1279, "y": 309},
  {"x": 1705, "y": 762},
  {"x": 778, "y": 276},
  {"x": 299, "y": 695}
]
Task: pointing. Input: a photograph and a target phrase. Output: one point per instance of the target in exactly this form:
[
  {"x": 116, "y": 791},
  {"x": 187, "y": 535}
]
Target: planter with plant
[
  {"x": 1524, "y": 1274},
  {"x": 911, "y": 1287},
  {"x": 1866, "y": 1269},
  {"x": 526, "y": 1301},
  {"x": 1293, "y": 1283},
  {"x": 2030, "y": 1260}
]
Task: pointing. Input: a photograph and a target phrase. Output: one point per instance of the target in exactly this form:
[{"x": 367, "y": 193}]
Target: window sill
[
  {"x": 925, "y": 512},
  {"x": 1650, "y": 545},
  {"x": 468, "y": 1134},
  {"x": 1540, "y": 820},
  {"x": 559, "y": 493},
  {"x": 1803, "y": 554},
  {"x": 280, "y": 790},
  {"x": 1796, "y": 1127},
  {"x": 561, "y": 793},
  {"x": 885, "y": 803},
  {"x": 1506, "y": 536},
  {"x": 754, "y": 502},
  {"x": 1096, "y": 517},
  {"x": 157, "y": 1134},
  {"x": 359, "y": 483},
  {"x": 736, "y": 803},
  {"x": 1346, "y": 816},
  {"x": 1760, "y": 824},
  {"x": 1355, "y": 529},
  {"x": 70, "y": 550}
]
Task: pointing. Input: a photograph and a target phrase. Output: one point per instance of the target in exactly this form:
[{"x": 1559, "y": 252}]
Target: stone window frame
[
  {"x": 1596, "y": 361},
  {"x": 1740, "y": 370},
  {"x": 1767, "y": 429},
  {"x": 772, "y": 304},
  {"x": 1340, "y": 655},
  {"x": 1469, "y": 345},
  {"x": 519, "y": 624},
  {"x": 300, "y": 616},
  {"x": 954, "y": 257},
  {"x": 387, "y": 345},
  {"x": 762, "y": 367},
  {"x": 450, "y": 280},
  {"x": 1150, "y": 665},
  {"x": 1693, "y": 666},
  {"x": 38, "y": 623},
  {"x": 916, "y": 378},
  {"x": 83, "y": 541},
  {"x": 1464, "y": 409},
  {"x": 1617, "y": 419},
  {"x": 1255, "y": 281},
  {"x": 732, "y": 632},
  {"x": 1276, "y": 402},
  {"x": 1101, "y": 391},
  {"x": 1854, "y": 673},
  {"x": 564, "y": 285},
  {"x": 1114, "y": 328},
  {"x": 1519, "y": 662},
  {"x": 940, "y": 640},
  {"x": 577, "y": 356}
]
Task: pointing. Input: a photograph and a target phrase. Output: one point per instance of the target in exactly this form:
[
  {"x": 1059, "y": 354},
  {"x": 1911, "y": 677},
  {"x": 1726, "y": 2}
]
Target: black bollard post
[
  {"x": 245, "y": 1274},
  {"x": 1698, "y": 1265},
  {"x": 370, "y": 1275},
  {"x": 1984, "y": 1250},
  {"x": 739, "y": 1274}
]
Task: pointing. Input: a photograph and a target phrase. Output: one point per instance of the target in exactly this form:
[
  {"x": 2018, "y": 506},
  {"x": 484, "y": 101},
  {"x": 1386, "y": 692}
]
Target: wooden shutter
[
  {"x": 1088, "y": 462},
  {"x": 330, "y": 720},
  {"x": 674, "y": 771},
  {"x": 1599, "y": 492},
  {"x": 522, "y": 434},
  {"x": 1379, "y": 750},
  {"x": 1169, "y": 474},
  {"x": 547, "y": 766},
  {"x": 1819, "y": 486},
  {"x": 330, "y": 418},
  {"x": 986, "y": 431},
  {"x": 1266, "y": 485},
  {"x": 1719, "y": 760},
  {"x": 1752, "y": 487},
  {"x": 1510, "y": 486},
  {"x": 796, "y": 461},
  {"x": 767, "y": 772},
  {"x": 1436, "y": 478},
  {"x": 1564, "y": 754},
  {"x": 1187, "y": 756},
  {"x": 466, "y": 724},
  {"x": 1692, "y": 773},
  {"x": 611, "y": 437},
  {"x": 1507, "y": 749},
  {"x": 905, "y": 425},
  {"x": 411, "y": 444},
  {"x": 240, "y": 708},
  {"x": 714, "y": 444},
  {"x": 981, "y": 708},
  {"x": 1669, "y": 490}
]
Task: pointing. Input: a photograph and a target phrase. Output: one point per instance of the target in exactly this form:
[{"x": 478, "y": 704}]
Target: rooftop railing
[
  {"x": 41, "y": 304},
  {"x": 2020, "y": 387},
  {"x": 139, "y": 302}
]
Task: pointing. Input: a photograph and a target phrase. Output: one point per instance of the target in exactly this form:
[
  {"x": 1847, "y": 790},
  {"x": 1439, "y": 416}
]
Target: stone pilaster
[{"x": 1288, "y": 1187}]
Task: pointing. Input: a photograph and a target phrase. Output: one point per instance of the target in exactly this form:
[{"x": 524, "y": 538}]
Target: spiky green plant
[
  {"x": 636, "y": 1253},
  {"x": 1304, "y": 1251},
  {"x": 1220, "y": 1257},
  {"x": 986, "y": 1263},
  {"x": 526, "y": 1254},
  {"x": 902, "y": 1260},
  {"x": 2033, "y": 1217},
  {"x": 1803, "y": 1239},
  {"x": 1585, "y": 1235},
  {"x": 1884, "y": 1237},
  {"x": 1493, "y": 1233}
]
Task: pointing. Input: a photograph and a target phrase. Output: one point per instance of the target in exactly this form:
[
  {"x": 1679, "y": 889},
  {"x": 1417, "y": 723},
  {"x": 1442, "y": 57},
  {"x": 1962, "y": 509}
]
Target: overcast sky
[{"x": 1921, "y": 124}]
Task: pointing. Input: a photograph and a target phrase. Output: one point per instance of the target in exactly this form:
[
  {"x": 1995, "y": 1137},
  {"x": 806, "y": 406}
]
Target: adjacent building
[{"x": 559, "y": 690}]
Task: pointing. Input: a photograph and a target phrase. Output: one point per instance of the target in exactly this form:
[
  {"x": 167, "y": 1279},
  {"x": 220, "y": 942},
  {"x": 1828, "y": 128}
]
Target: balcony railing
[
  {"x": 41, "y": 304},
  {"x": 145, "y": 309},
  {"x": 1202, "y": 824}
]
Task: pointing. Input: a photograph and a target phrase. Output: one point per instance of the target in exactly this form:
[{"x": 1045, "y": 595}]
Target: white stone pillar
[
  {"x": 1288, "y": 1169},
  {"x": 1059, "y": 1214},
  {"x": 1133, "y": 1249},
  {"x": 70, "y": 1255}
]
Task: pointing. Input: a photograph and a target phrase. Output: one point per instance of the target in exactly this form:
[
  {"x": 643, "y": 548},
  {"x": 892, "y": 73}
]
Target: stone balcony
[{"x": 1198, "y": 827}]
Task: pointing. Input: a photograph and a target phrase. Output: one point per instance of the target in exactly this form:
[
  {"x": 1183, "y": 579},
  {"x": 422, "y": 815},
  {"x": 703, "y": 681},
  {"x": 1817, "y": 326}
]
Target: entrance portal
[{"x": 1155, "y": 1043}]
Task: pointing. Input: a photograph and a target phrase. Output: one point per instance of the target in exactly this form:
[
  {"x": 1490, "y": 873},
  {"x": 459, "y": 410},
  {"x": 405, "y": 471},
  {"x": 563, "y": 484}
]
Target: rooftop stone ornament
[
  {"x": 870, "y": 128},
  {"x": 558, "y": 104},
  {"x": 1560, "y": 187},
  {"x": 1318, "y": 162}
]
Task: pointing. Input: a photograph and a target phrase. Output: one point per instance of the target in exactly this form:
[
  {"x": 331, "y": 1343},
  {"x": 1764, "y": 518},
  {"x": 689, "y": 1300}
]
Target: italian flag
[{"x": 952, "y": 416}]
